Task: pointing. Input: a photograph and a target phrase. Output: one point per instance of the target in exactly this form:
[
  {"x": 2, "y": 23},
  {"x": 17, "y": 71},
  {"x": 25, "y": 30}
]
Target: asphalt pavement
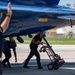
[{"x": 67, "y": 52}]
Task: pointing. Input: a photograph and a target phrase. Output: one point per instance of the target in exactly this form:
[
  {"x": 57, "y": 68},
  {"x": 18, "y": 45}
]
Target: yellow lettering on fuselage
[{"x": 43, "y": 19}]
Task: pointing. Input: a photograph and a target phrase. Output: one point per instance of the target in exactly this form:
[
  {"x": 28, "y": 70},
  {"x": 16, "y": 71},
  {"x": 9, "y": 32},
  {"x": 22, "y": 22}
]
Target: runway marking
[{"x": 69, "y": 68}]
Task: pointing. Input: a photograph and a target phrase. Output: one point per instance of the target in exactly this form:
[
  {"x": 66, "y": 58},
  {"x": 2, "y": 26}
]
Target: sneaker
[
  {"x": 4, "y": 65},
  {"x": 40, "y": 67},
  {"x": 9, "y": 66},
  {"x": 26, "y": 67}
]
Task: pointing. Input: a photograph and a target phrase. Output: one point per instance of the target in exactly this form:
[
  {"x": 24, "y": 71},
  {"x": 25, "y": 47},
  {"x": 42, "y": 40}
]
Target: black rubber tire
[
  {"x": 50, "y": 66},
  {"x": 44, "y": 50},
  {"x": 55, "y": 66}
]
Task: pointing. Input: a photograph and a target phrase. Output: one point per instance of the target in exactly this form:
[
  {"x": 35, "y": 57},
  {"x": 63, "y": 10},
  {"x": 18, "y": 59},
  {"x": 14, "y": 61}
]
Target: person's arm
[
  {"x": 33, "y": 41},
  {"x": 15, "y": 54},
  {"x": 6, "y": 21}
]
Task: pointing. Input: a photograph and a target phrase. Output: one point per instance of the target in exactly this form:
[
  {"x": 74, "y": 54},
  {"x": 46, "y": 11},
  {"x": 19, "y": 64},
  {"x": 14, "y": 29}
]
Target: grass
[{"x": 62, "y": 41}]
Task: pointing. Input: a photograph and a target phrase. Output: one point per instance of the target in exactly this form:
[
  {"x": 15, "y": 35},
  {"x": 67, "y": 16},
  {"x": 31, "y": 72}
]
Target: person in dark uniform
[
  {"x": 33, "y": 46},
  {"x": 7, "y": 53},
  {"x": 11, "y": 44},
  {"x": 3, "y": 27}
]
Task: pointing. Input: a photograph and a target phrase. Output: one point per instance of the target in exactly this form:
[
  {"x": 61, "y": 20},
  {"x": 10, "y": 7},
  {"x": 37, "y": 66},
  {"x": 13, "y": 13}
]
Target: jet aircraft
[{"x": 29, "y": 16}]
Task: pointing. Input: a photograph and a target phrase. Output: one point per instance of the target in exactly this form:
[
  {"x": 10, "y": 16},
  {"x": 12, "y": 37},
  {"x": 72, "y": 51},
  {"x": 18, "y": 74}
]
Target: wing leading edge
[
  {"x": 55, "y": 9},
  {"x": 66, "y": 17}
]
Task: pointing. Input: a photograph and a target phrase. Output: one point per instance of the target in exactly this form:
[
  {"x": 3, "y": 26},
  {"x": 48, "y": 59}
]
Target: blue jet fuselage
[{"x": 28, "y": 22}]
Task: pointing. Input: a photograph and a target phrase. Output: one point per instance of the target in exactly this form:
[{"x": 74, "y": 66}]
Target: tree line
[{"x": 69, "y": 5}]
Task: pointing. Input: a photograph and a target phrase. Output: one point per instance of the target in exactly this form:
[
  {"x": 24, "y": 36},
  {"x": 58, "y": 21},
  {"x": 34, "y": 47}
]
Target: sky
[{"x": 64, "y": 2}]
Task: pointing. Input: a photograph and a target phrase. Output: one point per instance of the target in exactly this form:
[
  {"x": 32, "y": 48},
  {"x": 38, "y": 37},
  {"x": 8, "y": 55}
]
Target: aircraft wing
[
  {"x": 26, "y": 23},
  {"x": 44, "y": 9},
  {"x": 66, "y": 17}
]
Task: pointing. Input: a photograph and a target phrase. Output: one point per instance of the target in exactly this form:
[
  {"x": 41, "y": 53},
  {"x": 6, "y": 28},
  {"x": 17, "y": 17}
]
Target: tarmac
[{"x": 67, "y": 52}]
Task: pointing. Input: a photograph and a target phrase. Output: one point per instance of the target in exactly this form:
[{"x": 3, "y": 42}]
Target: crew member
[
  {"x": 33, "y": 46},
  {"x": 3, "y": 27}
]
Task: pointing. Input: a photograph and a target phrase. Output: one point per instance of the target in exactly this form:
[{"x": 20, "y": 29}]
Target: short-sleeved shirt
[
  {"x": 36, "y": 38},
  {"x": 5, "y": 46},
  {"x": 13, "y": 44}
]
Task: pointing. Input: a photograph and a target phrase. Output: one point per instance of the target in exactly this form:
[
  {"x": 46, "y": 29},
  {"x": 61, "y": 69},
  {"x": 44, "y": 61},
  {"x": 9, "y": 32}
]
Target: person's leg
[
  {"x": 8, "y": 62},
  {"x": 8, "y": 57},
  {"x": 38, "y": 60},
  {"x": 5, "y": 60},
  {"x": 27, "y": 60},
  {"x": 1, "y": 69}
]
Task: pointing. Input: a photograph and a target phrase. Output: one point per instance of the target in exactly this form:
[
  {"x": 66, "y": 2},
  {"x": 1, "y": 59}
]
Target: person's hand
[
  {"x": 9, "y": 10},
  {"x": 42, "y": 43}
]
